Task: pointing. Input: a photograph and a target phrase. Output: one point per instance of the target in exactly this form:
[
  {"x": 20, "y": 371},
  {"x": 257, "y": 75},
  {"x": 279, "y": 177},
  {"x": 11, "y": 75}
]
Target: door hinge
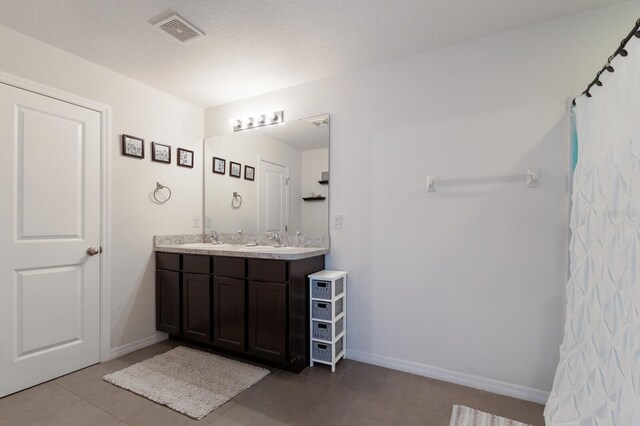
[
  {"x": 286, "y": 228},
  {"x": 286, "y": 181}
]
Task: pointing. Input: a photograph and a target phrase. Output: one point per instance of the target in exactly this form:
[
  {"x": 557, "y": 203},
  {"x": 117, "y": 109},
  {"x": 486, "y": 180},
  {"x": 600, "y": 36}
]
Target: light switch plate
[
  {"x": 196, "y": 221},
  {"x": 336, "y": 221},
  {"x": 208, "y": 221}
]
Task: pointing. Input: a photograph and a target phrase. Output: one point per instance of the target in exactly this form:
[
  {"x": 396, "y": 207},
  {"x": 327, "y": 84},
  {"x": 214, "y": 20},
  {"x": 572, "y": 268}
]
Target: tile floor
[{"x": 356, "y": 394}]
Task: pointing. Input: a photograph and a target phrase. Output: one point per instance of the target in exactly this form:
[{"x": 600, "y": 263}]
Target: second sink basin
[
  {"x": 261, "y": 248},
  {"x": 205, "y": 245}
]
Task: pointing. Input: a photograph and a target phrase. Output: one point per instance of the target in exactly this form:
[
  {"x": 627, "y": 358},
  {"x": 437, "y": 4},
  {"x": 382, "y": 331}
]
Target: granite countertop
[
  {"x": 259, "y": 252},
  {"x": 259, "y": 246}
]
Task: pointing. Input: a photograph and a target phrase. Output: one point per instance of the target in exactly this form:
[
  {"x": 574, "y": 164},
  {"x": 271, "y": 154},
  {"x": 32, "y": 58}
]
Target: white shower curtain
[{"x": 598, "y": 377}]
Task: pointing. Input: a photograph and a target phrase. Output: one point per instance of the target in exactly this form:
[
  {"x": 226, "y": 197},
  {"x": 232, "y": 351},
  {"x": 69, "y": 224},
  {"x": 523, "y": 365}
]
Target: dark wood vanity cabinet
[
  {"x": 196, "y": 306},
  {"x": 229, "y": 313},
  {"x": 268, "y": 320},
  {"x": 256, "y": 308},
  {"x": 168, "y": 301}
]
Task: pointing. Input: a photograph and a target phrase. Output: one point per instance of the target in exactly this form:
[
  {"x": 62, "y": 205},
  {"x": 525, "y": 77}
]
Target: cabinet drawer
[
  {"x": 168, "y": 261},
  {"x": 196, "y": 264},
  {"x": 232, "y": 267},
  {"x": 268, "y": 270}
]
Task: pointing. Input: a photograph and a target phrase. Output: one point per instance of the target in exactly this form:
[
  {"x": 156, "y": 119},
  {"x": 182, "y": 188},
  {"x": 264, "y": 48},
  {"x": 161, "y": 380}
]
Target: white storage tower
[{"x": 328, "y": 317}]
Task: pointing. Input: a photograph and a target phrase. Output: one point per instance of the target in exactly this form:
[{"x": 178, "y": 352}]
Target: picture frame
[
  {"x": 185, "y": 158},
  {"x": 249, "y": 172},
  {"x": 132, "y": 146},
  {"x": 219, "y": 165},
  {"x": 235, "y": 169},
  {"x": 160, "y": 153}
]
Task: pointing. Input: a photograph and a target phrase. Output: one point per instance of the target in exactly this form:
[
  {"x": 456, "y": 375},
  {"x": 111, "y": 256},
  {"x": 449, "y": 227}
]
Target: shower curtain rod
[{"x": 619, "y": 51}]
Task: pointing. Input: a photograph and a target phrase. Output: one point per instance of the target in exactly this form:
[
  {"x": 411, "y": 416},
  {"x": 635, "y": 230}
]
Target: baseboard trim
[
  {"x": 491, "y": 385},
  {"x": 138, "y": 344}
]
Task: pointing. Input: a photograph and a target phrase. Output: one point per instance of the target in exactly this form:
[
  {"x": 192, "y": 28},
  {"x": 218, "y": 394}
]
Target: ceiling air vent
[{"x": 179, "y": 28}]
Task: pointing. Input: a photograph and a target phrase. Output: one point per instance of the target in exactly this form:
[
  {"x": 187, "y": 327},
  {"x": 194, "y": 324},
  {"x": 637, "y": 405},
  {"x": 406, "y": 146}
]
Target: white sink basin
[
  {"x": 260, "y": 248},
  {"x": 205, "y": 245}
]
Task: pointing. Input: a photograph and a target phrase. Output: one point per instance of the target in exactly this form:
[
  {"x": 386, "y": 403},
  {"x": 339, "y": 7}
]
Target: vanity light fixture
[{"x": 260, "y": 120}]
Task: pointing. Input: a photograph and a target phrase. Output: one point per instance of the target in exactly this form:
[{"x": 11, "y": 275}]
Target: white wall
[
  {"x": 315, "y": 214},
  {"x": 469, "y": 279},
  {"x": 138, "y": 110},
  {"x": 246, "y": 148}
]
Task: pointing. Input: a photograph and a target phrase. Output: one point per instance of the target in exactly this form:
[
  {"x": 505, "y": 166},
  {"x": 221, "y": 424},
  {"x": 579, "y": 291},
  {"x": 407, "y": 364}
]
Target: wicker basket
[
  {"x": 322, "y": 330},
  {"x": 322, "y": 310},
  {"x": 326, "y": 331},
  {"x": 324, "y": 351},
  {"x": 322, "y": 289}
]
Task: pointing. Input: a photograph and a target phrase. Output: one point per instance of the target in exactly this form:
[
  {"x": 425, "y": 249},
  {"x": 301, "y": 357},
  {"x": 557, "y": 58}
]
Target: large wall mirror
[{"x": 269, "y": 179}]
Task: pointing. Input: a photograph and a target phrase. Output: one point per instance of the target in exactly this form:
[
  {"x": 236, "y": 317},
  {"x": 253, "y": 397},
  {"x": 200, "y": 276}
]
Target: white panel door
[
  {"x": 49, "y": 217},
  {"x": 274, "y": 198}
]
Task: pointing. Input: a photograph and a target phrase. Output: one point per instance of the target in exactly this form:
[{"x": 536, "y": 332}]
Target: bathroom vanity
[
  {"x": 247, "y": 301},
  {"x": 249, "y": 297}
]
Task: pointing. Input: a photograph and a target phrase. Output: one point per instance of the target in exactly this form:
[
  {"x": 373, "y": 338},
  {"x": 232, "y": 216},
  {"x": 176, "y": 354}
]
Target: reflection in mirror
[{"x": 269, "y": 179}]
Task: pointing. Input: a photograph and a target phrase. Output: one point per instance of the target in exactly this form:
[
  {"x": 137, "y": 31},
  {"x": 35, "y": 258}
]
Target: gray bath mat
[
  {"x": 465, "y": 416},
  {"x": 189, "y": 381}
]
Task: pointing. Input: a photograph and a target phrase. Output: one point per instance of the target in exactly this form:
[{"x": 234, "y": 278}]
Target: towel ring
[
  {"x": 236, "y": 201},
  {"x": 160, "y": 187}
]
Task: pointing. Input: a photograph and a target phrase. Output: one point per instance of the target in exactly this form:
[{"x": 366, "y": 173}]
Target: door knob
[{"x": 92, "y": 251}]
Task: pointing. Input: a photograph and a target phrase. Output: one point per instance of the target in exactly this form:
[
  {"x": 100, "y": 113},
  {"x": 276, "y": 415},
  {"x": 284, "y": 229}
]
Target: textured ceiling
[{"x": 256, "y": 46}]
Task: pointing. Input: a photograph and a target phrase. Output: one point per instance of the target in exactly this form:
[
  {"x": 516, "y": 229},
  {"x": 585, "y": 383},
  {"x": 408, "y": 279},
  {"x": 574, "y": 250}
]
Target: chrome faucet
[
  {"x": 214, "y": 238},
  {"x": 276, "y": 237}
]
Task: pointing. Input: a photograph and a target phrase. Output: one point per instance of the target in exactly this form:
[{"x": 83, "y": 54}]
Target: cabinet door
[
  {"x": 267, "y": 320},
  {"x": 196, "y": 306},
  {"x": 168, "y": 301},
  {"x": 229, "y": 313}
]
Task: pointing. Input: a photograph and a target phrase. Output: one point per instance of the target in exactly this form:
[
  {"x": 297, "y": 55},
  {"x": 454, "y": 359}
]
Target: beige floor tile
[
  {"x": 286, "y": 396},
  {"x": 159, "y": 415},
  {"x": 323, "y": 372},
  {"x": 345, "y": 407},
  {"x": 80, "y": 413},
  {"x": 89, "y": 380},
  {"x": 411, "y": 415},
  {"x": 439, "y": 396},
  {"x": 377, "y": 383},
  {"x": 242, "y": 415},
  {"x": 119, "y": 402},
  {"x": 23, "y": 407}
]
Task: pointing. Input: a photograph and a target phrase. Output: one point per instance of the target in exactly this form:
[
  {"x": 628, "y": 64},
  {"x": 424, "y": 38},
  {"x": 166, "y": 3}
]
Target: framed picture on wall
[
  {"x": 160, "y": 153},
  {"x": 249, "y": 173},
  {"x": 235, "y": 169},
  {"x": 219, "y": 165},
  {"x": 185, "y": 158},
  {"x": 132, "y": 146}
]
